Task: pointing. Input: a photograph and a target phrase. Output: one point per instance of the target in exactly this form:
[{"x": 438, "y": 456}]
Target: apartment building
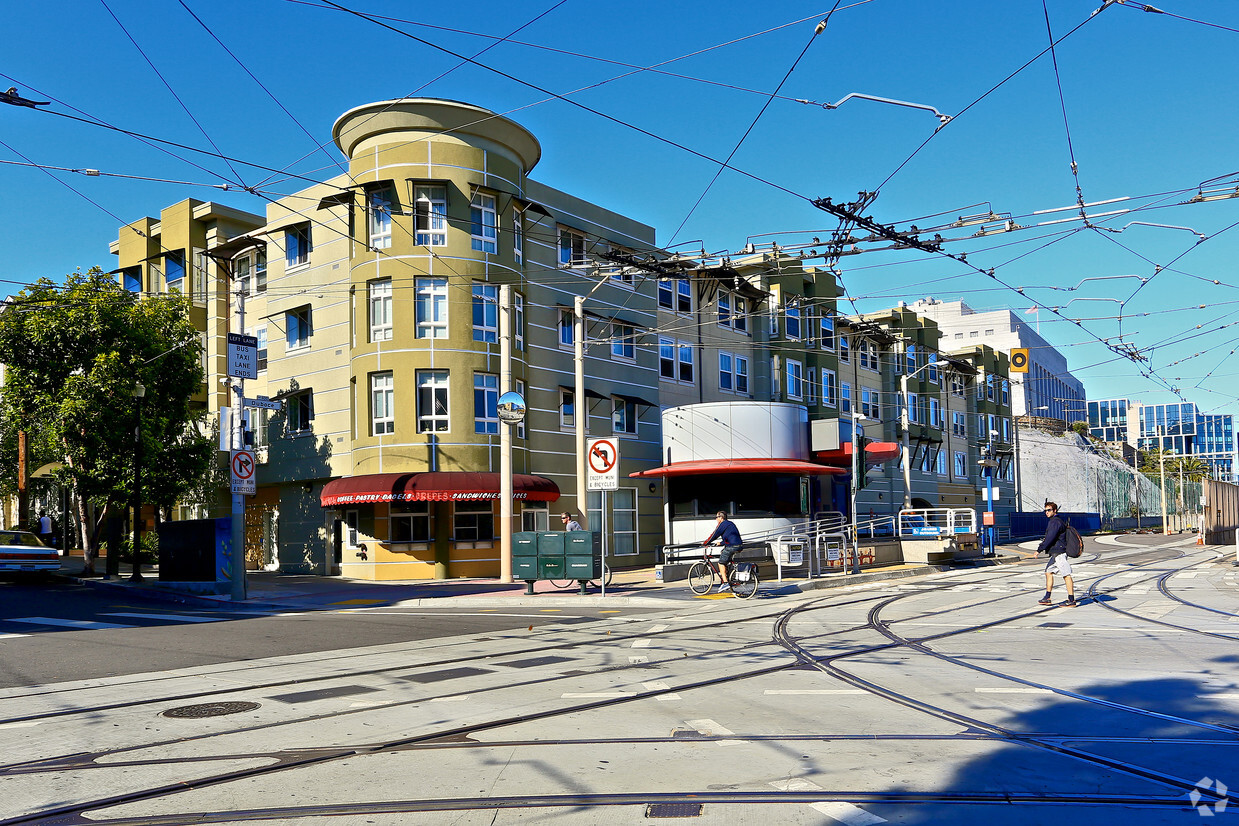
[{"x": 375, "y": 300}]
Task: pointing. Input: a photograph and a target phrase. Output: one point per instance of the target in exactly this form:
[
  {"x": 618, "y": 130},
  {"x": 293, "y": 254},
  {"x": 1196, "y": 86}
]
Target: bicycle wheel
[
  {"x": 563, "y": 583},
  {"x": 606, "y": 576},
  {"x": 701, "y": 578},
  {"x": 746, "y": 588}
]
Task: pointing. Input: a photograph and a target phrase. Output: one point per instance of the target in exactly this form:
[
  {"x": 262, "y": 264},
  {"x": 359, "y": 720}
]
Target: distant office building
[
  {"x": 1177, "y": 426},
  {"x": 1047, "y": 389}
]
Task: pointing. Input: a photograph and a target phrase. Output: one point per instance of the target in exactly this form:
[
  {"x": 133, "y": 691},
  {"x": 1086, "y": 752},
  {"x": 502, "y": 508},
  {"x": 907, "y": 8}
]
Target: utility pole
[
  {"x": 1161, "y": 459},
  {"x": 235, "y": 425},
  {"x": 505, "y": 436}
]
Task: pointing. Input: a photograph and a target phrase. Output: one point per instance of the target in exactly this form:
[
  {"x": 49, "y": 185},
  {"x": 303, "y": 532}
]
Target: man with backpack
[{"x": 1055, "y": 544}]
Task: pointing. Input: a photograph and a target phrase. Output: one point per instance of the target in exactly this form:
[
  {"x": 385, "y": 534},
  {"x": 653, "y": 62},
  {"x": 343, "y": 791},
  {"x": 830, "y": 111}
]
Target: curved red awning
[
  {"x": 876, "y": 453},
  {"x": 435, "y": 486},
  {"x": 704, "y": 466}
]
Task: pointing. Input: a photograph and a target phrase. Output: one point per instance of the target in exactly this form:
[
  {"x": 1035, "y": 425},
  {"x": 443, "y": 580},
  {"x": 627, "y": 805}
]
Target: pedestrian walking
[
  {"x": 1055, "y": 544},
  {"x": 570, "y": 524},
  {"x": 46, "y": 530}
]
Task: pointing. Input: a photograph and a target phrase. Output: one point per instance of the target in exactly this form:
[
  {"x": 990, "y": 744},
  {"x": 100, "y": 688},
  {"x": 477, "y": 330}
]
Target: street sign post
[
  {"x": 242, "y": 356},
  {"x": 242, "y": 467},
  {"x": 263, "y": 403},
  {"x": 602, "y": 461}
]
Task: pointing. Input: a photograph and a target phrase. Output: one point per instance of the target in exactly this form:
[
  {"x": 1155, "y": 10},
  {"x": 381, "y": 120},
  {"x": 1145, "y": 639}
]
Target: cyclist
[{"x": 728, "y": 535}]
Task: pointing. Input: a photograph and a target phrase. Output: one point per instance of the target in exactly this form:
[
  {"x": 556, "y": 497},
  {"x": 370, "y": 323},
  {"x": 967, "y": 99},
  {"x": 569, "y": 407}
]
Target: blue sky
[{"x": 1145, "y": 104}]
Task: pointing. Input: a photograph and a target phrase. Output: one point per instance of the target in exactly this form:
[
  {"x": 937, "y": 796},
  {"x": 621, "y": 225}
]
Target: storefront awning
[
  {"x": 701, "y": 467},
  {"x": 876, "y": 453},
  {"x": 436, "y": 486}
]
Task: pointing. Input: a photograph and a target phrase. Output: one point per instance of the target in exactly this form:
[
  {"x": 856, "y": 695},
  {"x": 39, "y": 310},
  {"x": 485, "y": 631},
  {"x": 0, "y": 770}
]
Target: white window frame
[
  {"x": 795, "y": 379},
  {"x": 914, "y": 408},
  {"x": 403, "y": 516},
  {"x": 724, "y": 308},
  {"x": 845, "y": 348},
  {"x": 518, "y": 235},
  {"x": 567, "y": 408},
  {"x": 298, "y": 244},
  {"x": 382, "y": 403},
  {"x": 830, "y": 388},
  {"x": 379, "y": 300},
  {"x": 572, "y": 247},
  {"x": 845, "y": 398},
  {"x": 810, "y": 386},
  {"x": 433, "y": 401},
  {"x": 623, "y": 341},
  {"x": 518, "y": 320},
  {"x": 486, "y": 403},
  {"x": 485, "y": 312},
  {"x": 380, "y": 203},
  {"x": 483, "y": 223},
  {"x": 430, "y": 215},
  {"x": 430, "y": 307},
  {"x": 826, "y": 328},
  {"x": 624, "y": 418},
  {"x": 740, "y": 315},
  {"x": 678, "y": 358},
  {"x": 298, "y": 327},
  {"x": 793, "y": 327},
  {"x": 567, "y": 328},
  {"x": 300, "y": 413},
  {"x": 961, "y": 464}
]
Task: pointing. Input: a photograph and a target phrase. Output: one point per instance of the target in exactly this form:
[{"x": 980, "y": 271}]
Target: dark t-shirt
[{"x": 727, "y": 531}]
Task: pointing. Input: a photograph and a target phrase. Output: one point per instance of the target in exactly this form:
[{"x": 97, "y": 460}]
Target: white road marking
[
  {"x": 171, "y": 617},
  {"x": 27, "y": 724},
  {"x": 370, "y": 703},
  {"x": 68, "y": 623},
  {"x": 796, "y": 784},
  {"x": 11, "y": 636},
  {"x": 1228, "y": 695},
  {"x": 814, "y": 691},
  {"x": 847, "y": 813},
  {"x": 658, "y": 629},
  {"x": 1013, "y": 691},
  {"x": 1188, "y": 575},
  {"x": 585, "y": 694},
  {"x": 708, "y": 727},
  {"x": 641, "y": 643},
  {"x": 1156, "y": 608},
  {"x": 457, "y": 699}
]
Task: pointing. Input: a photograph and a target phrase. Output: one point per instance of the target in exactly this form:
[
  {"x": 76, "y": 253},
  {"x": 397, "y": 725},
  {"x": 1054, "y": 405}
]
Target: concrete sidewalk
[{"x": 635, "y": 586}]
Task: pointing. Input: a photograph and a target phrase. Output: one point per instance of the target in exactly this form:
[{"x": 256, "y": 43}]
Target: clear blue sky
[{"x": 1147, "y": 111}]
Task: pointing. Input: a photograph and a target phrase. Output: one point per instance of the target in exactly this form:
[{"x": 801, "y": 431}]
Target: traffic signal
[{"x": 862, "y": 466}]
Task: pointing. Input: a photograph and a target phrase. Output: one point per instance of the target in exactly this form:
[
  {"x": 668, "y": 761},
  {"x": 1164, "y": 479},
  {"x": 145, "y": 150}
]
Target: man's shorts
[
  {"x": 728, "y": 552},
  {"x": 1059, "y": 564}
]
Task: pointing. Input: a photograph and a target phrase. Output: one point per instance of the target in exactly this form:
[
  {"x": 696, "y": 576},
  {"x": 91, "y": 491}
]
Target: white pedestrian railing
[{"x": 937, "y": 521}]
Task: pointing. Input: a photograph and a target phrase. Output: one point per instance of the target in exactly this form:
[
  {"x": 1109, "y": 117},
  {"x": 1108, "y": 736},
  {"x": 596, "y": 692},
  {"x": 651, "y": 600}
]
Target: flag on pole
[{"x": 1031, "y": 310}]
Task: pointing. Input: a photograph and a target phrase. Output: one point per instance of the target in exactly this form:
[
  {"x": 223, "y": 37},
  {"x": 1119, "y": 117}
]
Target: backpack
[{"x": 1073, "y": 540}]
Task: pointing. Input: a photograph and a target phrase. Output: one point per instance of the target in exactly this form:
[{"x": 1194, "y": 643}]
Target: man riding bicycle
[{"x": 727, "y": 534}]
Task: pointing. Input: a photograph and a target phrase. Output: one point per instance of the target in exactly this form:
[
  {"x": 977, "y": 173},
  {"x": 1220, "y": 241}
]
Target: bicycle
[
  {"x": 705, "y": 574},
  {"x": 572, "y": 583}
]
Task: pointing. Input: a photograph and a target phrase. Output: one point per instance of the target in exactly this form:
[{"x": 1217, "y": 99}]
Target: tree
[{"x": 73, "y": 355}]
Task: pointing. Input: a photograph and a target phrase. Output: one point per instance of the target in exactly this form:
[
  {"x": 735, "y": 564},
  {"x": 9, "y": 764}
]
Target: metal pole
[
  {"x": 505, "y": 437},
  {"x": 907, "y": 459},
  {"x": 1161, "y": 458},
  {"x": 579, "y": 408},
  {"x": 237, "y": 534},
  {"x": 1015, "y": 459},
  {"x": 136, "y": 575},
  {"x": 857, "y": 435},
  {"x": 989, "y": 494}
]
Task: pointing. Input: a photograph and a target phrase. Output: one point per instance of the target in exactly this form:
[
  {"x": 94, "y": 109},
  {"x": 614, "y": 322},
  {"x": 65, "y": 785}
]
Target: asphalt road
[
  {"x": 950, "y": 698},
  {"x": 52, "y": 631}
]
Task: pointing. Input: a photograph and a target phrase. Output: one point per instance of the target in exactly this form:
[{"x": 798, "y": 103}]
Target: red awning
[
  {"x": 703, "y": 466},
  {"x": 436, "y": 486},
  {"x": 876, "y": 453}
]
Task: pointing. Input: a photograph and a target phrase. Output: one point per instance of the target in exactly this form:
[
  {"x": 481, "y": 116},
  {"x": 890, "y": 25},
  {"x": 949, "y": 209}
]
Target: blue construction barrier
[{"x": 1033, "y": 524}]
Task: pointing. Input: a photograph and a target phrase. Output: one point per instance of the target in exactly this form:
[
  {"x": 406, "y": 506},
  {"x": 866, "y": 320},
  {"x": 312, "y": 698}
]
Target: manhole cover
[
  {"x": 673, "y": 810},
  {"x": 210, "y": 710}
]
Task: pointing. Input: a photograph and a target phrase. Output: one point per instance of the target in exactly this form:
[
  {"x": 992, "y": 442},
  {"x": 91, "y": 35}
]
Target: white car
[{"x": 23, "y": 552}]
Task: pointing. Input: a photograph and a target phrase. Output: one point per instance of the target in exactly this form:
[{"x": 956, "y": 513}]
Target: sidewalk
[{"x": 267, "y": 590}]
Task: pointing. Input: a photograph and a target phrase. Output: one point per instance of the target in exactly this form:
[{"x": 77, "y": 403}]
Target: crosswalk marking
[
  {"x": 67, "y": 623},
  {"x": 169, "y": 617},
  {"x": 847, "y": 813},
  {"x": 11, "y": 636},
  {"x": 1013, "y": 691}
]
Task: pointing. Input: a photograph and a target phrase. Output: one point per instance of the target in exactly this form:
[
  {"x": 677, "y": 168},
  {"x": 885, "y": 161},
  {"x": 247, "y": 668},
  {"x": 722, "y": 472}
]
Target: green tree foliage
[{"x": 73, "y": 356}]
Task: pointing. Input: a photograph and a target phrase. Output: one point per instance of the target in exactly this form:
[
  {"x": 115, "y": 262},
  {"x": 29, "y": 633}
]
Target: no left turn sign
[
  {"x": 602, "y": 459},
  {"x": 242, "y": 466}
]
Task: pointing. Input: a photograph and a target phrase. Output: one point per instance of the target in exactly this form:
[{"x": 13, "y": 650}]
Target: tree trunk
[{"x": 90, "y": 541}]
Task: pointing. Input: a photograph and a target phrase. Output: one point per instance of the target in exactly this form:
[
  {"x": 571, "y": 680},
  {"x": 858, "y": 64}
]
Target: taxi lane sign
[
  {"x": 242, "y": 467},
  {"x": 242, "y": 356}
]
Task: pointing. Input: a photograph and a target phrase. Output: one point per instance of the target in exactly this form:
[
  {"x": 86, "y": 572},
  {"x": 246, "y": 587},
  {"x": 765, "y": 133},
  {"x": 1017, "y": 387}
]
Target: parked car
[{"x": 23, "y": 552}]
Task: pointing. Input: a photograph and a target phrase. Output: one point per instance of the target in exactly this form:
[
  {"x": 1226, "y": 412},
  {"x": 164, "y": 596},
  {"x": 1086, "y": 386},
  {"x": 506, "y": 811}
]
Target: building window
[
  {"x": 795, "y": 379},
  {"x": 518, "y": 321},
  {"x": 132, "y": 279},
  {"x": 914, "y": 408},
  {"x": 989, "y": 387},
  {"x": 676, "y": 295},
  {"x": 410, "y": 522},
  {"x": 810, "y": 386},
  {"x": 567, "y": 325},
  {"x": 961, "y": 465},
  {"x": 1006, "y": 429},
  {"x": 430, "y": 298},
  {"x": 260, "y": 333},
  {"x": 791, "y": 324},
  {"x": 870, "y": 403},
  {"x": 733, "y": 373},
  {"x": 830, "y": 388},
  {"x": 941, "y": 463},
  {"x": 430, "y": 221},
  {"x": 675, "y": 360},
  {"x": 724, "y": 308},
  {"x": 241, "y": 274},
  {"x": 518, "y": 235},
  {"x": 571, "y": 248},
  {"x": 957, "y": 385},
  {"x": 932, "y": 371},
  {"x": 623, "y": 341},
  {"x": 845, "y": 398},
  {"x": 484, "y": 223},
  {"x": 300, "y": 412},
  {"x": 621, "y": 275},
  {"x": 959, "y": 424},
  {"x": 298, "y": 328},
  {"x": 260, "y": 271},
  {"x": 485, "y": 403},
  {"x": 174, "y": 271},
  {"x": 868, "y": 354},
  {"x": 380, "y": 309},
  {"x": 740, "y": 316},
  {"x": 845, "y": 351},
  {"x": 485, "y": 312},
  {"x": 382, "y": 404},
  {"x": 473, "y": 521},
  {"x": 623, "y": 415},
  {"x": 935, "y": 413},
  {"x": 519, "y": 386},
  {"x": 567, "y": 408},
  {"x": 379, "y": 203},
  {"x": 297, "y": 246},
  {"x": 432, "y": 401},
  {"x": 826, "y": 331},
  {"x": 911, "y": 359},
  {"x": 1006, "y": 392}
]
